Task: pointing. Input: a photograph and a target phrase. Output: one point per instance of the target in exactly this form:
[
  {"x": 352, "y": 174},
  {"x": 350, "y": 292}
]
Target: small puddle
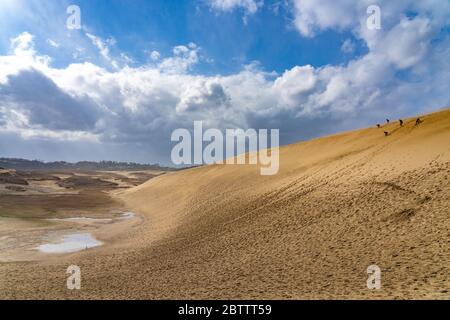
[
  {"x": 123, "y": 216},
  {"x": 71, "y": 243},
  {"x": 81, "y": 219},
  {"x": 127, "y": 215}
]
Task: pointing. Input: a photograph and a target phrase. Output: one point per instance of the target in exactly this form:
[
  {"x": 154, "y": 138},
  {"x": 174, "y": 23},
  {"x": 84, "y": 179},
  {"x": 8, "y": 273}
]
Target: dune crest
[{"x": 338, "y": 204}]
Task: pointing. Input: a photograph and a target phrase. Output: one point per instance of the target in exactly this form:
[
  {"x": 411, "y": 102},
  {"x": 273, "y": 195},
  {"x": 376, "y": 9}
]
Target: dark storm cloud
[{"x": 47, "y": 105}]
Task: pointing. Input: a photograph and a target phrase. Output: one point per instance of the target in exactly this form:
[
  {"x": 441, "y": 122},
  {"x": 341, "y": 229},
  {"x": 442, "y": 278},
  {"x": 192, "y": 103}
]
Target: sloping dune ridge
[{"x": 337, "y": 205}]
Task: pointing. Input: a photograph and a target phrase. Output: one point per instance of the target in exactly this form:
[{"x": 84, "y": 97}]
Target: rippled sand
[{"x": 339, "y": 204}]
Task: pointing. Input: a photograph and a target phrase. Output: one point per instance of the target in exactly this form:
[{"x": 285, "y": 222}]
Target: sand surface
[{"x": 337, "y": 205}]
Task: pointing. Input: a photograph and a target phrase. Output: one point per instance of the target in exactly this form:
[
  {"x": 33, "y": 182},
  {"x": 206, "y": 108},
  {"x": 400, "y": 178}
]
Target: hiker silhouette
[
  {"x": 387, "y": 120},
  {"x": 401, "y": 122},
  {"x": 418, "y": 121}
]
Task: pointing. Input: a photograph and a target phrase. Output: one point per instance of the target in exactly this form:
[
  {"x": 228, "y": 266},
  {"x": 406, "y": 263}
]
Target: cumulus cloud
[
  {"x": 250, "y": 6},
  {"x": 43, "y": 103},
  {"x": 23, "y": 44},
  {"x": 404, "y": 44},
  {"x": 202, "y": 95},
  {"x": 32, "y": 105},
  {"x": 313, "y": 16},
  {"x": 405, "y": 70},
  {"x": 155, "y": 55},
  {"x": 184, "y": 57},
  {"x": 293, "y": 85}
]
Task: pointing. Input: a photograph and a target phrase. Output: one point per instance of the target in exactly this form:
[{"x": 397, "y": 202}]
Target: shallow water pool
[
  {"x": 127, "y": 215},
  {"x": 71, "y": 243}
]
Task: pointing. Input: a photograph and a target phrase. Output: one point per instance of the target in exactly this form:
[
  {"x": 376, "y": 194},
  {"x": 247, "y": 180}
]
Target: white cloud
[
  {"x": 126, "y": 58},
  {"x": 312, "y": 16},
  {"x": 155, "y": 55},
  {"x": 250, "y": 6},
  {"x": 293, "y": 86},
  {"x": 144, "y": 104},
  {"x": 53, "y": 43},
  {"x": 403, "y": 44},
  {"x": 348, "y": 46},
  {"x": 406, "y": 43},
  {"x": 103, "y": 47},
  {"x": 23, "y": 44},
  {"x": 184, "y": 57},
  {"x": 203, "y": 95}
]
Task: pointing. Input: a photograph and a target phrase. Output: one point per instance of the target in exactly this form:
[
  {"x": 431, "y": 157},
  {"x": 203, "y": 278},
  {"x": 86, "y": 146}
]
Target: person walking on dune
[
  {"x": 418, "y": 121},
  {"x": 401, "y": 122},
  {"x": 387, "y": 121}
]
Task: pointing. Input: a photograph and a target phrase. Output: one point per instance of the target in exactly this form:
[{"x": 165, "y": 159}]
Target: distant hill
[{"x": 23, "y": 164}]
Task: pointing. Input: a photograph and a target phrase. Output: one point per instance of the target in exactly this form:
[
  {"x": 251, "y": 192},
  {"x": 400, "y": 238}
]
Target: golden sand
[{"x": 338, "y": 204}]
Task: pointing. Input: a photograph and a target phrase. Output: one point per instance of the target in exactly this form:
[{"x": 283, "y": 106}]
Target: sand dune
[{"x": 338, "y": 204}]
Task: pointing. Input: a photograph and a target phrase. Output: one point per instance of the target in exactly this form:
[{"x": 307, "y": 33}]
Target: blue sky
[
  {"x": 228, "y": 39},
  {"x": 136, "y": 70}
]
